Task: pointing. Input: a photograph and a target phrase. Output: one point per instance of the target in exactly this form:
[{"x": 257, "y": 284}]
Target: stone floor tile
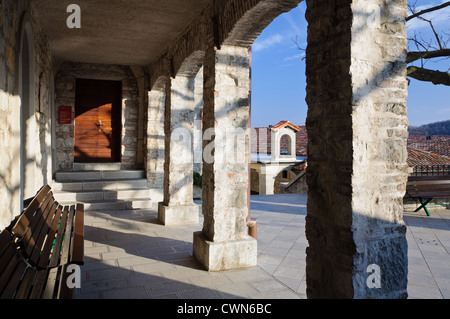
[
  {"x": 213, "y": 281},
  {"x": 423, "y": 292},
  {"x": 144, "y": 259},
  {"x": 104, "y": 284},
  {"x": 240, "y": 290},
  {"x": 168, "y": 287},
  {"x": 270, "y": 284},
  {"x": 285, "y": 293},
  {"x": 135, "y": 292},
  {"x": 269, "y": 259},
  {"x": 290, "y": 272},
  {"x": 202, "y": 293},
  {"x": 246, "y": 275}
]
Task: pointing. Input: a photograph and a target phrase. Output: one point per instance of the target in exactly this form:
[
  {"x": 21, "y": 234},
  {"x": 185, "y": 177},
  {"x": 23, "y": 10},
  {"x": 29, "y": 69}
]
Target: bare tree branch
[
  {"x": 427, "y": 50},
  {"x": 414, "y": 15},
  {"x": 435, "y": 77},
  {"x": 416, "y": 55}
]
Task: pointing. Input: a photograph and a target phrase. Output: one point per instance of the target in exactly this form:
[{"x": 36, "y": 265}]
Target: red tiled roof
[
  {"x": 422, "y": 150},
  {"x": 437, "y": 144},
  {"x": 421, "y": 157}
]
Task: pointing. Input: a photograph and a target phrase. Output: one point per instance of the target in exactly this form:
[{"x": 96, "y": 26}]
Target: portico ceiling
[{"x": 128, "y": 32}]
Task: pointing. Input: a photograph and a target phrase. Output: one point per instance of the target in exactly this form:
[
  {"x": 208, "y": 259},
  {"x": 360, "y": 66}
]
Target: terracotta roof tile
[
  {"x": 437, "y": 144},
  {"x": 284, "y": 124},
  {"x": 422, "y": 150},
  {"x": 421, "y": 157}
]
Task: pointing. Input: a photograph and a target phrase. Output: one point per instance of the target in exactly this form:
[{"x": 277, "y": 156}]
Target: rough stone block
[
  {"x": 178, "y": 215},
  {"x": 220, "y": 256}
]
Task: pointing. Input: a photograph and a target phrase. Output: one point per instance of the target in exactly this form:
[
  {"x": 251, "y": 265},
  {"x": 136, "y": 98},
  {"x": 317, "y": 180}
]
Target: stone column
[
  {"x": 357, "y": 127},
  {"x": 178, "y": 206},
  {"x": 224, "y": 242},
  {"x": 155, "y": 140}
]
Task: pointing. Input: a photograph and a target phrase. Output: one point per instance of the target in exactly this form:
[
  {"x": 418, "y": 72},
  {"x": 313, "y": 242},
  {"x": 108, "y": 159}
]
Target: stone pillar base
[
  {"x": 225, "y": 255},
  {"x": 178, "y": 215}
]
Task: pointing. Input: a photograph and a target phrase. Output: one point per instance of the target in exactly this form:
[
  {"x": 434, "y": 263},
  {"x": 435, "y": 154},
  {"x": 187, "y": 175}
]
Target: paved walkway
[{"x": 130, "y": 255}]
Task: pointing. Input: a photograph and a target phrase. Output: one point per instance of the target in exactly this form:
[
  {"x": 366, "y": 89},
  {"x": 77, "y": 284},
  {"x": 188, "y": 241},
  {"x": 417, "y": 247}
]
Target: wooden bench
[
  {"x": 427, "y": 188},
  {"x": 37, "y": 248}
]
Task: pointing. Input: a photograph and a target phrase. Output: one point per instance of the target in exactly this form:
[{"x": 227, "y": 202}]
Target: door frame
[
  {"x": 132, "y": 96},
  {"x": 116, "y": 118}
]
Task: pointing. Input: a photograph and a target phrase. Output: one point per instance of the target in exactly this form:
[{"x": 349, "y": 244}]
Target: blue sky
[{"x": 279, "y": 81}]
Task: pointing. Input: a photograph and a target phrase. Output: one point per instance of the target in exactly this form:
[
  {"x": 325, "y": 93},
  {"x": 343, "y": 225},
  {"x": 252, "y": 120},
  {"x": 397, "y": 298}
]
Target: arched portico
[
  {"x": 357, "y": 125},
  {"x": 353, "y": 221}
]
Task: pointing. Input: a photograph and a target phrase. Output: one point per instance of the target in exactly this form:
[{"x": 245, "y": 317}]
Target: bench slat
[
  {"x": 64, "y": 292},
  {"x": 67, "y": 237},
  {"x": 8, "y": 272},
  {"x": 5, "y": 239},
  {"x": 37, "y": 249},
  {"x": 43, "y": 261},
  {"x": 429, "y": 191},
  {"x": 77, "y": 244},
  {"x": 14, "y": 281},
  {"x": 54, "y": 259},
  {"x": 32, "y": 233},
  {"x": 8, "y": 263},
  {"x": 49, "y": 290},
  {"x": 26, "y": 283},
  {"x": 24, "y": 220},
  {"x": 430, "y": 195},
  {"x": 428, "y": 182},
  {"x": 39, "y": 284},
  {"x": 425, "y": 186}
]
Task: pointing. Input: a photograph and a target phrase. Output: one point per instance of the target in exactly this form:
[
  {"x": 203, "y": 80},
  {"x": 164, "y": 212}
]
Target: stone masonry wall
[
  {"x": 226, "y": 109},
  {"x": 380, "y": 133},
  {"x": 357, "y": 130},
  {"x": 155, "y": 134},
  {"x": 12, "y": 17}
]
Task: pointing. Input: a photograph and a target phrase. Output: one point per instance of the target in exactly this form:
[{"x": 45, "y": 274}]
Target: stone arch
[
  {"x": 192, "y": 64},
  {"x": 241, "y": 22},
  {"x": 286, "y": 145},
  {"x": 283, "y": 177},
  {"x": 28, "y": 143}
]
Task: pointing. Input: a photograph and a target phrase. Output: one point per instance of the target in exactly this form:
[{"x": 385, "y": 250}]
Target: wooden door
[{"x": 97, "y": 121}]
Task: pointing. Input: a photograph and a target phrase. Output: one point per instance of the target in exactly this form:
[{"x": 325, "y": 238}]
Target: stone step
[
  {"x": 102, "y": 185},
  {"x": 115, "y": 204},
  {"x": 99, "y": 195},
  {"x": 106, "y": 175},
  {"x": 97, "y": 166}
]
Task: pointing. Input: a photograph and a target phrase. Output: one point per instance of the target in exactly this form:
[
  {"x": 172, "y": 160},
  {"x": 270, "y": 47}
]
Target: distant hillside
[{"x": 438, "y": 128}]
